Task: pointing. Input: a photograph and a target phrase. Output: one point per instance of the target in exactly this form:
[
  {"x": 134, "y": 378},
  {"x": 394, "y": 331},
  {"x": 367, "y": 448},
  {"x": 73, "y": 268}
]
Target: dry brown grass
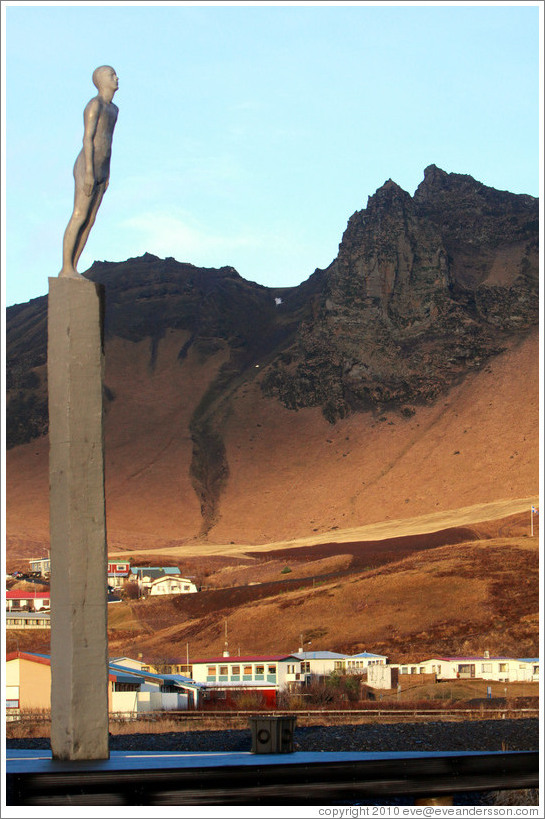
[
  {"x": 265, "y": 570},
  {"x": 456, "y": 599}
]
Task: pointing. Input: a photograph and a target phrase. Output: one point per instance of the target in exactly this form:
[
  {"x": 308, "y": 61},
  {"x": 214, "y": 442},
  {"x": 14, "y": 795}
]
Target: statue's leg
[
  {"x": 73, "y": 231},
  {"x": 83, "y": 234}
]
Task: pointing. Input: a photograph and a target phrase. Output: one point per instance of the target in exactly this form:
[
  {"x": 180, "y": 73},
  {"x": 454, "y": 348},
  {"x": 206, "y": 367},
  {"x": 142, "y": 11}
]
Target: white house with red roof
[
  {"x": 266, "y": 674},
  {"x": 19, "y": 600},
  {"x": 119, "y": 573}
]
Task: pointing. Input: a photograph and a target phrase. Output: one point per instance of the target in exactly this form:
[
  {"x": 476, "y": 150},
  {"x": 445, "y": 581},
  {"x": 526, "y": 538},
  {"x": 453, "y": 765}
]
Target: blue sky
[{"x": 248, "y": 134}]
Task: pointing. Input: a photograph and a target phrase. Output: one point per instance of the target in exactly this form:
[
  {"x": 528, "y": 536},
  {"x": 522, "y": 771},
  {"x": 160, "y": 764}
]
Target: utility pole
[{"x": 533, "y": 511}]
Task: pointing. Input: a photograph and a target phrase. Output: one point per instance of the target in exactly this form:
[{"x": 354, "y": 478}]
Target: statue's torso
[{"x": 102, "y": 142}]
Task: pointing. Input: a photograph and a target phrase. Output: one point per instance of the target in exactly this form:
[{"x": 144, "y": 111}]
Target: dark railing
[{"x": 277, "y": 779}]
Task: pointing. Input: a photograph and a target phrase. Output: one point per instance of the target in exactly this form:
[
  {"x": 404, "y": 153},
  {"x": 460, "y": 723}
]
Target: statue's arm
[{"x": 90, "y": 121}]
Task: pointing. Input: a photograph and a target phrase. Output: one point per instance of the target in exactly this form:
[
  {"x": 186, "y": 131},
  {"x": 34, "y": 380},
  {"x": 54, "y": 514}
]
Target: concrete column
[{"x": 79, "y": 638}]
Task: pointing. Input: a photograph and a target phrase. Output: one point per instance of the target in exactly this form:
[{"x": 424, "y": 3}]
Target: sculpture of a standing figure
[{"x": 92, "y": 167}]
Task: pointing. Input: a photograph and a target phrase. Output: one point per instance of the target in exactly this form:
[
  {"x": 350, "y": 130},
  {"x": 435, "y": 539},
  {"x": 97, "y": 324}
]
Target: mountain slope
[{"x": 401, "y": 380}]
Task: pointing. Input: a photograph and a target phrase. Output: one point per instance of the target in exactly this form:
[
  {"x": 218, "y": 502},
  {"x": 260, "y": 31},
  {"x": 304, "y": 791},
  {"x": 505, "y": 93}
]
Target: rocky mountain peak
[{"x": 424, "y": 289}]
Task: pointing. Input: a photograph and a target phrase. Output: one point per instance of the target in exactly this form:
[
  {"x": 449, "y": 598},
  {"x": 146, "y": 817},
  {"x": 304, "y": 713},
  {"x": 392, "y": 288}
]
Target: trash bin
[{"x": 272, "y": 735}]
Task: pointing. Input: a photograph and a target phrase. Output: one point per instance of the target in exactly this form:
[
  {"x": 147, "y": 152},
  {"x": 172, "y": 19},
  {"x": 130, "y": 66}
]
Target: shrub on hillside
[{"x": 131, "y": 591}]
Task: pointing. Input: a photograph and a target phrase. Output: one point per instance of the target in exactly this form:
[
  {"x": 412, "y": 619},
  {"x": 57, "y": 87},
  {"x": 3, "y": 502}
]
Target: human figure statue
[{"x": 92, "y": 167}]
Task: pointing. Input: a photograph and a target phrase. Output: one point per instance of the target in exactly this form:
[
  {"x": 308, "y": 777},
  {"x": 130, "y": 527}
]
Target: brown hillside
[
  {"x": 452, "y": 600},
  {"x": 292, "y": 474}
]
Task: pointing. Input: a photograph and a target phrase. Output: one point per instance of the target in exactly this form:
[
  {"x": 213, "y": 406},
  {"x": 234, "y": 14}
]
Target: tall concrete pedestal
[{"x": 79, "y": 639}]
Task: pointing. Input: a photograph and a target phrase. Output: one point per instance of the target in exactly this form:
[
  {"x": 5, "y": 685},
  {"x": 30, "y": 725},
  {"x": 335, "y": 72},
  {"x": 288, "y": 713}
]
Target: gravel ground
[{"x": 485, "y": 735}]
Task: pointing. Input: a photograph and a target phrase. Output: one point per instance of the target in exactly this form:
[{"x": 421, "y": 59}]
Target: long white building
[{"x": 494, "y": 669}]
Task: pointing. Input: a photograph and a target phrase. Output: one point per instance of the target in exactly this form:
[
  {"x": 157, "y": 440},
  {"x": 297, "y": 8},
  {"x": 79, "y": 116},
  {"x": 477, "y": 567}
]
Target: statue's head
[{"x": 105, "y": 77}]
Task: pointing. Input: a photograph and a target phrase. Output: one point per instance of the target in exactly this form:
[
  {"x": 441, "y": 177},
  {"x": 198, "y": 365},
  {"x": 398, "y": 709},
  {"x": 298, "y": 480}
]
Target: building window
[
  {"x": 305, "y": 667},
  {"x": 211, "y": 671},
  {"x": 503, "y": 667},
  {"x": 119, "y": 686},
  {"x": 338, "y": 665},
  {"x": 486, "y": 668},
  {"x": 235, "y": 670},
  {"x": 404, "y": 669},
  {"x": 271, "y": 670},
  {"x": 248, "y": 670},
  {"x": 224, "y": 670}
]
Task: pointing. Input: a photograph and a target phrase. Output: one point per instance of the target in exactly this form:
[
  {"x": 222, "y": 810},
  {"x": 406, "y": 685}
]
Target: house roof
[
  {"x": 18, "y": 594},
  {"x": 246, "y": 658},
  {"x": 320, "y": 655},
  {"x": 28, "y": 655},
  {"x": 117, "y": 660},
  {"x": 171, "y": 577},
  {"x": 154, "y": 571},
  {"x": 471, "y": 658},
  {"x": 176, "y": 679},
  {"x": 220, "y": 686},
  {"x": 116, "y": 673},
  {"x": 364, "y": 654},
  {"x": 183, "y": 681}
]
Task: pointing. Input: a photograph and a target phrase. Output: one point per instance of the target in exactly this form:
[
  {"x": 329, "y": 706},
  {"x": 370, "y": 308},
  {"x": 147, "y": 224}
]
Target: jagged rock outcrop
[{"x": 423, "y": 290}]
